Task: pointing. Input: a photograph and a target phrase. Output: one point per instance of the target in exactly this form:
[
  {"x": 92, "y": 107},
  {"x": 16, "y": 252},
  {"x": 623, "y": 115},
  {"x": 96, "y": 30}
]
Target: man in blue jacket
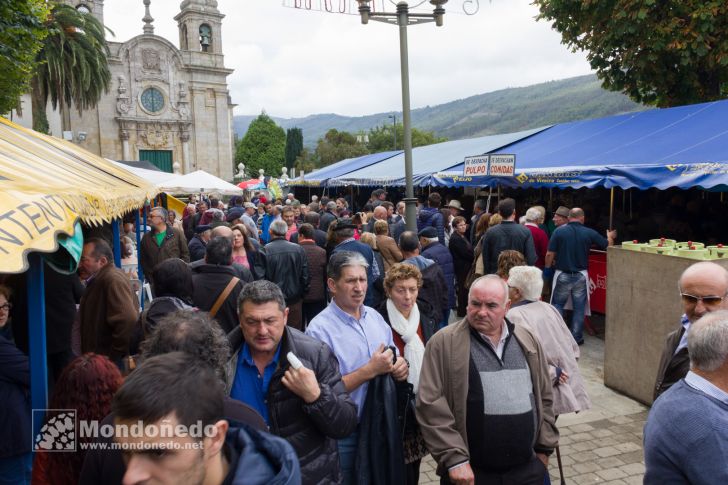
[
  {"x": 430, "y": 216},
  {"x": 434, "y": 250},
  {"x": 184, "y": 438}
]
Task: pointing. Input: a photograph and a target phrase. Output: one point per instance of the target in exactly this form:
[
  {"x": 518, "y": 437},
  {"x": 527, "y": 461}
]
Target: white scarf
[{"x": 414, "y": 349}]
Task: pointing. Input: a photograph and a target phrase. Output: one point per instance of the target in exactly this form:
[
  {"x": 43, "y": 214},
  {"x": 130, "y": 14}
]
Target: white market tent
[
  {"x": 154, "y": 177},
  {"x": 199, "y": 181}
]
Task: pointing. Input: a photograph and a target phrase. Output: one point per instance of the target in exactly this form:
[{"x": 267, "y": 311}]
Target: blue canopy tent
[
  {"x": 318, "y": 178},
  {"x": 683, "y": 147},
  {"x": 426, "y": 160}
]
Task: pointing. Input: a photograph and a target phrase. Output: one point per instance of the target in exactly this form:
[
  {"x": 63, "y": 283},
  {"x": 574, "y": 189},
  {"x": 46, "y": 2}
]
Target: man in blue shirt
[
  {"x": 309, "y": 406},
  {"x": 569, "y": 246},
  {"x": 344, "y": 237},
  {"x": 358, "y": 336},
  {"x": 686, "y": 434}
]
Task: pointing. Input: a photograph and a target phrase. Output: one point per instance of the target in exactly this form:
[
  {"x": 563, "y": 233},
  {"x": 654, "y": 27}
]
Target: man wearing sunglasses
[{"x": 703, "y": 289}]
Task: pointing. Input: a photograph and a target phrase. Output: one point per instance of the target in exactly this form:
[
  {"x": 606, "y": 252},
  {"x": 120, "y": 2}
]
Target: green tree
[
  {"x": 21, "y": 37},
  {"x": 338, "y": 145},
  {"x": 306, "y": 161},
  {"x": 294, "y": 146},
  {"x": 263, "y": 146},
  {"x": 381, "y": 138},
  {"x": 664, "y": 53},
  {"x": 72, "y": 65}
]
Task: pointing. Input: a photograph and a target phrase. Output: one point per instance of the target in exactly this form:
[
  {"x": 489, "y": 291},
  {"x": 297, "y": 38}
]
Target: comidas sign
[
  {"x": 502, "y": 166},
  {"x": 477, "y": 165}
]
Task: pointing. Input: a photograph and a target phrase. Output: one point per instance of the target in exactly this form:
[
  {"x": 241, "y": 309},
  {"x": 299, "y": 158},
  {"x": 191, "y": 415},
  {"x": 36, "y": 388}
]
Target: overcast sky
[{"x": 293, "y": 62}]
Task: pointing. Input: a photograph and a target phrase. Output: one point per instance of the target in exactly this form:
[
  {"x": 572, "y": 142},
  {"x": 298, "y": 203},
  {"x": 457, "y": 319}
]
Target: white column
[
  {"x": 186, "y": 162},
  {"x": 125, "y": 155}
]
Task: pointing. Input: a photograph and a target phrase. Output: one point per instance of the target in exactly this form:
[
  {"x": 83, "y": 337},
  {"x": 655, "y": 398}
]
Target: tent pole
[
  {"x": 611, "y": 208},
  {"x": 116, "y": 242},
  {"x": 140, "y": 272},
  {"x": 37, "y": 338},
  {"x": 487, "y": 204},
  {"x": 551, "y": 199}
]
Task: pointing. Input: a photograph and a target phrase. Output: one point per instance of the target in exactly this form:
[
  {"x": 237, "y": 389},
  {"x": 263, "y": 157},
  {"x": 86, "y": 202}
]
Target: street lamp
[
  {"x": 403, "y": 18},
  {"x": 394, "y": 129}
]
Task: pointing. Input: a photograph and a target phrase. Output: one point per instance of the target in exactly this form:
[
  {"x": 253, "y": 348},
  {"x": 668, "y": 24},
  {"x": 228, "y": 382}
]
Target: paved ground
[{"x": 601, "y": 445}]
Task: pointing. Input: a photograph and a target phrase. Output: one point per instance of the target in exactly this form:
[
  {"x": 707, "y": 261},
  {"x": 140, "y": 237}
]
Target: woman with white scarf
[{"x": 413, "y": 322}]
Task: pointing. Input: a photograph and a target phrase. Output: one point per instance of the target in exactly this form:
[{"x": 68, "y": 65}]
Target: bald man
[
  {"x": 380, "y": 214},
  {"x": 702, "y": 288},
  {"x": 485, "y": 402}
]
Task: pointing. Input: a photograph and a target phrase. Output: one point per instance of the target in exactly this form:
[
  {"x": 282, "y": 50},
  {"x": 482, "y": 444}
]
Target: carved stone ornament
[
  {"x": 151, "y": 60},
  {"x": 123, "y": 106},
  {"x": 124, "y": 135},
  {"x": 123, "y": 103},
  {"x": 154, "y": 139}
]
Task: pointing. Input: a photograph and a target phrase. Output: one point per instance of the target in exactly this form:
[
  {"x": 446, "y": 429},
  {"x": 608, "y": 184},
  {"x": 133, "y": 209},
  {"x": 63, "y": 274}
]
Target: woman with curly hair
[
  {"x": 507, "y": 260},
  {"x": 413, "y": 322},
  {"x": 87, "y": 385}
]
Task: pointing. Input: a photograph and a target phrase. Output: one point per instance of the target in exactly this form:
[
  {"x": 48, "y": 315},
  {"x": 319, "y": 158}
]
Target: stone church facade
[{"x": 167, "y": 105}]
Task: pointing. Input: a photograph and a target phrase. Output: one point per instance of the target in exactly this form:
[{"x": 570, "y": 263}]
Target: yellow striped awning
[{"x": 46, "y": 184}]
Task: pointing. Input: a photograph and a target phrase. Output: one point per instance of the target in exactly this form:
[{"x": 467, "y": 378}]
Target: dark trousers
[
  {"x": 57, "y": 361},
  {"x": 462, "y": 294},
  {"x": 533, "y": 472},
  {"x": 311, "y": 309},
  {"x": 412, "y": 473},
  {"x": 295, "y": 315}
]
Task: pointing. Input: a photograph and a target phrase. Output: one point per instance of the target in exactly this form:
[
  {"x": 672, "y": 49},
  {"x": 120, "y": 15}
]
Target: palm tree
[{"x": 73, "y": 68}]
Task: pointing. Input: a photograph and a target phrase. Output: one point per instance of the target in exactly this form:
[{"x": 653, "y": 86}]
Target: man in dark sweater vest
[
  {"x": 686, "y": 435},
  {"x": 703, "y": 288},
  {"x": 485, "y": 402}
]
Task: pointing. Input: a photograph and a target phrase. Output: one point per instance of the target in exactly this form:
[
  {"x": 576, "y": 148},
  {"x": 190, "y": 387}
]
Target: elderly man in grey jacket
[
  {"x": 562, "y": 352},
  {"x": 485, "y": 401}
]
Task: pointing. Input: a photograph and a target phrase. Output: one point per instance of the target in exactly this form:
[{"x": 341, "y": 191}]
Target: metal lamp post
[
  {"x": 394, "y": 129},
  {"x": 403, "y": 18}
]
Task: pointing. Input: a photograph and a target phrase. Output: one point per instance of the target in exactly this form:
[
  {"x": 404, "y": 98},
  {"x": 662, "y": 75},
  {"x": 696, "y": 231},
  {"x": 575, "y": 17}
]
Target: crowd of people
[{"x": 320, "y": 345}]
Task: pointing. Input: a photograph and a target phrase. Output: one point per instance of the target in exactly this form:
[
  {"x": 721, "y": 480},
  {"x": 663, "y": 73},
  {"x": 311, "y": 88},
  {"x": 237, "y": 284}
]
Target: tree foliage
[
  {"x": 21, "y": 37},
  {"x": 666, "y": 53},
  {"x": 72, "y": 65},
  {"x": 294, "y": 146},
  {"x": 338, "y": 145},
  {"x": 307, "y": 161},
  {"x": 263, "y": 146},
  {"x": 381, "y": 138}
]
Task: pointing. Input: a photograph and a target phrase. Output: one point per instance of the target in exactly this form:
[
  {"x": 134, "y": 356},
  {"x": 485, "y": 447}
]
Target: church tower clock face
[{"x": 152, "y": 100}]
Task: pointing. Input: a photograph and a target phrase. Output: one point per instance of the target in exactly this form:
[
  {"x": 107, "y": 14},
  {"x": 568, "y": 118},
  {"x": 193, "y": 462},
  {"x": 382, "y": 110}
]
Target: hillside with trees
[{"x": 502, "y": 111}]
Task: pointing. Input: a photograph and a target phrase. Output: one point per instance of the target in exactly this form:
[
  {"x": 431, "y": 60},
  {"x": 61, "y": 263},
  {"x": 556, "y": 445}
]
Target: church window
[
  {"x": 205, "y": 37},
  {"x": 152, "y": 100},
  {"x": 83, "y": 8}
]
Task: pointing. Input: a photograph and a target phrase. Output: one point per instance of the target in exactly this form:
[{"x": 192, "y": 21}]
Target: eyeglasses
[
  {"x": 707, "y": 300},
  {"x": 7, "y": 306}
]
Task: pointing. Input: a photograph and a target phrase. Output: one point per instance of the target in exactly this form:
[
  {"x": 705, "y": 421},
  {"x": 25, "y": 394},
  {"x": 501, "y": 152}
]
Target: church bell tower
[{"x": 199, "y": 23}]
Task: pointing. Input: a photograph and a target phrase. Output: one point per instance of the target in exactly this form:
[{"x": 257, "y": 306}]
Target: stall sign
[
  {"x": 502, "y": 166},
  {"x": 476, "y": 165}
]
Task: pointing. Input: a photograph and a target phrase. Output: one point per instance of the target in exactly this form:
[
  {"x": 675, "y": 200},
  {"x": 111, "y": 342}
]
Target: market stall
[
  {"x": 198, "y": 181},
  {"x": 426, "y": 160},
  {"x": 47, "y": 186},
  {"x": 320, "y": 177}
]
